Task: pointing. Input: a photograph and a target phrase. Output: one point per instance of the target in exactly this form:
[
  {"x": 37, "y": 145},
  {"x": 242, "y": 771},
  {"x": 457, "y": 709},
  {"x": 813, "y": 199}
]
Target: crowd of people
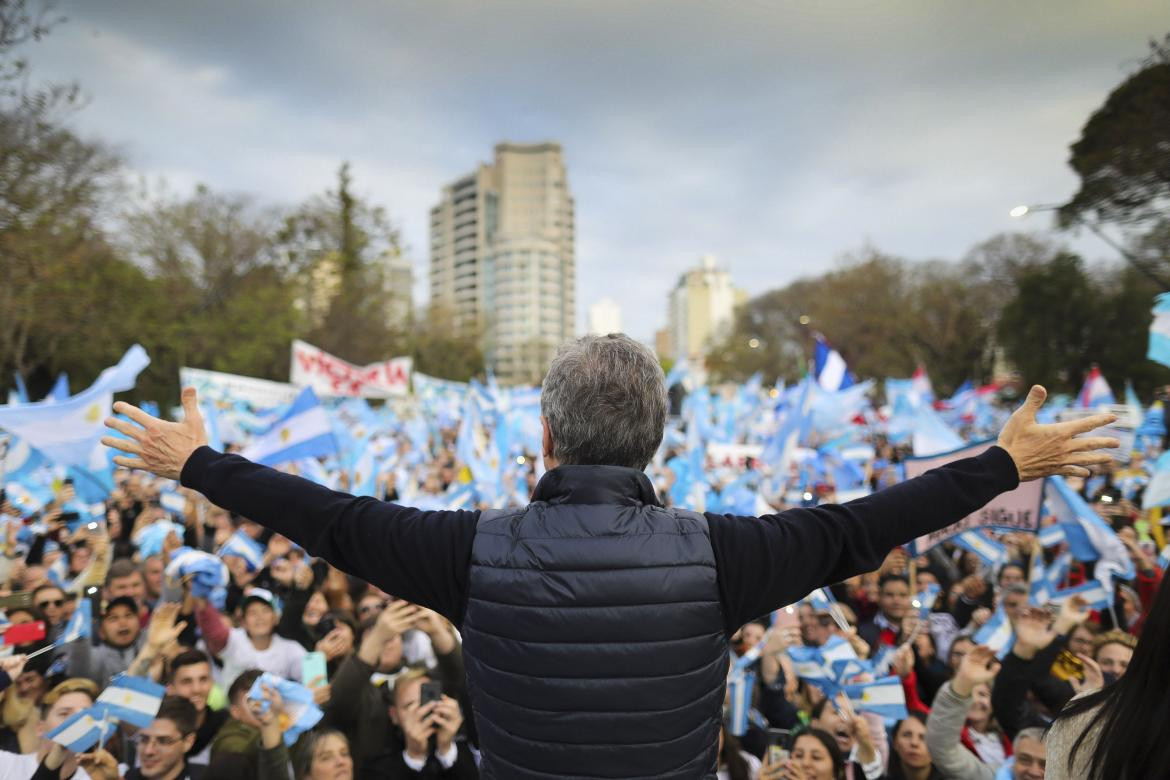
[{"x": 387, "y": 676}]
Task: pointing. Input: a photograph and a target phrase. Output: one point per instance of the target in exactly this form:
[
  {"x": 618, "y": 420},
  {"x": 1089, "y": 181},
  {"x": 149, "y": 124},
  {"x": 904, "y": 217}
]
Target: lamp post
[{"x": 1023, "y": 210}]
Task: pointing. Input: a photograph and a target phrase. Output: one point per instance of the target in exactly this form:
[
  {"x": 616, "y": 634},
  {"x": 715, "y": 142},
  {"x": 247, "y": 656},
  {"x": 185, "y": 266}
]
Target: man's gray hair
[
  {"x": 1032, "y": 732},
  {"x": 605, "y": 401}
]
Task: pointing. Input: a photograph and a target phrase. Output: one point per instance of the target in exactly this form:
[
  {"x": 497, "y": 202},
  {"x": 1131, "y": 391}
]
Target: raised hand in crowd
[
  {"x": 903, "y": 662},
  {"x": 99, "y": 764},
  {"x": 13, "y": 665},
  {"x": 161, "y": 634},
  {"x": 268, "y": 712},
  {"x": 1094, "y": 677},
  {"x": 1034, "y": 632},
  {"x": 1073, "y": 612},
  {"x": 978, "y": 667},
  {"x": 393, "y": 621},
  {"x": 447, "y": 719},
  {"x": 437, "y": 629},
  {"x": 418, "y": 724},
  {"x": 1040, "y": 450},
  {"x": 336, "y": 644}
]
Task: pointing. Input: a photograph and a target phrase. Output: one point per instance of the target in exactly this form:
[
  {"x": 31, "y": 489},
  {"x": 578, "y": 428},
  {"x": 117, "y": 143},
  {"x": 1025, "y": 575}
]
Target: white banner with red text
[{"x": 329, "y": 375}]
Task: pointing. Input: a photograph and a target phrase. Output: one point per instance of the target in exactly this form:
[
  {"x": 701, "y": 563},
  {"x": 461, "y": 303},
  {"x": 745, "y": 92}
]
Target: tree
[
  {"x": 230, "y": 304},
  {"x": 339, "y": 244},
  {"x": 1047, "y": 329},
  {"x": 445, "y": 352},
  {"x": 1123, "y": 160}
]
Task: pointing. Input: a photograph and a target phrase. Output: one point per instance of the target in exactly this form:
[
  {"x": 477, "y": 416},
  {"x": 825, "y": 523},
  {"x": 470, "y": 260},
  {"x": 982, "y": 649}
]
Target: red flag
[{"x": 20, "y": 633}]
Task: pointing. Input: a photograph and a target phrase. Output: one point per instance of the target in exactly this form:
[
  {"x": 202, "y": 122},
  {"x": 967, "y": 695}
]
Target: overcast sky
[{"x": 776, "y": 134}]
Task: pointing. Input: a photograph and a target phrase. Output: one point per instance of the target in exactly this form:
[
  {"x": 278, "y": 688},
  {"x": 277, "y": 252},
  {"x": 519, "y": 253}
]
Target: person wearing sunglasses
[{"x": 54, "y": 605}]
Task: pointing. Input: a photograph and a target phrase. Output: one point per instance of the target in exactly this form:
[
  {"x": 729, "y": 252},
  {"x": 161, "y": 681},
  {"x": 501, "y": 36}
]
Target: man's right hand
[
  {"x": 160, "y": 447},
  {"x": 1047, "y": 450}
]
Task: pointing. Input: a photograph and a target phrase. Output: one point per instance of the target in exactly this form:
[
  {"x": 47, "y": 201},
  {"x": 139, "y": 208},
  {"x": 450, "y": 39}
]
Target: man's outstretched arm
[
  {"x": 765, "y": 563},
  {"x": 418, "y": 556}
]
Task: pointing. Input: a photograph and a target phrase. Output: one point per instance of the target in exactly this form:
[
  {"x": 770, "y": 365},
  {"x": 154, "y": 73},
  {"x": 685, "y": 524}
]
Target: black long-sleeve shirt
[{"x": 762, "y": 563}]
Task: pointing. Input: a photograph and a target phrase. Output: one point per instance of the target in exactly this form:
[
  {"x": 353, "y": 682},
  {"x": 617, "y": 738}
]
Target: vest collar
[{"x": 595, "y": 485}]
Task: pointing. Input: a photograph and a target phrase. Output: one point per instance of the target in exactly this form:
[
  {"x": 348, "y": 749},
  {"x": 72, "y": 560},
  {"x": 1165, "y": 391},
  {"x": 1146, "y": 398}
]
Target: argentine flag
[
  {"x": 1095, "y": 391},
  {"x": 299, "y": 709},
  {"x": 80, "y": 624},
  {"x": 1092, "y": 591},
  {"x": 829, "y": 367},
  {"x": 69, "y": 432},
  {"x": 302, "y": 432},
  {"x": 884, "y": 697},
  {"x": 1089, "y": 537},
  {"x": 243, "y": 546},
  {"x": 739, "y": 687},
  {"x": 1158, "y": 490},
  {"x": 133, "y": 700},
  {"x": 997, "y": 633},
  {"x": 1159, "y": 349},
  {"x": 989, "y": 551},
  {"x": 81, "y": 730}
]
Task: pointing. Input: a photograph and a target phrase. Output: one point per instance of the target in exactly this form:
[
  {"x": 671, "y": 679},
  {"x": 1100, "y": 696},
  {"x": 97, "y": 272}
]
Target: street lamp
[
  {"x": 753, "y": 343},
  {"x": 1023, "y": 210},
  {"x": 805, "y": 319}
]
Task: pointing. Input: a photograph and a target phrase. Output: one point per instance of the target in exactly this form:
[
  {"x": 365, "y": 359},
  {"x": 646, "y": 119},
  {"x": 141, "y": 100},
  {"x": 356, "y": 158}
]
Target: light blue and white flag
[
  {"x": 1093, "y": 592},
  {"x": 829, "y": 367},
  {"x": 837, "y": 648},
  {"x": 80, "y": 624},
  {"x": 60, "y": 389},
  {"x": 739, "y": 687},
  {"x": 133, "y": 700},
  {"x": 20, "y": 461},
  {"x": 149, "y": 539},
  {"x": 989, "y": 551},
  {"x": 1089, "y": 537},
  {"x": 997, "y": 633},
  {"x": 884, "y": 697},
  {"x": 243, "y": 546},
  {"x": 1158, "y": 490},
  {"x": 173, "y": 501},
  {"x": 69, "y": 432},
  {"x": 1051, "y": 535},
  {"x": 809, "y": 664},
  {"x": 301, "y": 432},
  {"x": 299, "y": 708},
  {"x": 926, "y": 599},
  {"x": 932, "y": 436},
  {"x": 1159, "y": 348},
  {"x": 208, "y": 573},
  {"x": 81, "y": 730}
]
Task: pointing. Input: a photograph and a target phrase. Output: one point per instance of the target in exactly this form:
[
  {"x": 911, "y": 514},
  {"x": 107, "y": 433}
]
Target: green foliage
[{"x": 1123, "y": 154}]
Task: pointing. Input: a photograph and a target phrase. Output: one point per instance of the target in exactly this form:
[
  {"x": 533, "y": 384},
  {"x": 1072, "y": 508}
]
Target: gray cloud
[{"x": 775, "y": 134}]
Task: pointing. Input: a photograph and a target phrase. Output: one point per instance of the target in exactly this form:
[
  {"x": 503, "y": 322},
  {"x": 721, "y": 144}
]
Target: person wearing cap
[
  {"x": 254, "y": 644},
  {"x": 121, "y": 635}
]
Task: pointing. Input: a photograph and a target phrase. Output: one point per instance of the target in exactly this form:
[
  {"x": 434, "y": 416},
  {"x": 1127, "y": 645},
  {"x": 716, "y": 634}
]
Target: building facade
[
  {"x": 605, "y": 316},
  {"x": 700, "y": 310},
  {"x": 503, "y": 260}
]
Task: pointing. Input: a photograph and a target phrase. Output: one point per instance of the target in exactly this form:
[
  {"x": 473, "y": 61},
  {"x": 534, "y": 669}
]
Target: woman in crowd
[
  {"x": 814, "y": 756},
  {"x": 1119, "y": 731},
  {"x": 910, "y": 760}
]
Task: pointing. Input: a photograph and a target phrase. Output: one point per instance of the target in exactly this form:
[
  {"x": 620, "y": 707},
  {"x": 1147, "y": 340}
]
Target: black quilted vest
[{"x": 593, "y": 636}]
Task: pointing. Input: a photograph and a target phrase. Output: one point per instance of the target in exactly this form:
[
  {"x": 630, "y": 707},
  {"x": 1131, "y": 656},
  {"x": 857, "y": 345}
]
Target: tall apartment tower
[
  {"x": 502, "y": 258},
  {"x": 700, "y": 310}
]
